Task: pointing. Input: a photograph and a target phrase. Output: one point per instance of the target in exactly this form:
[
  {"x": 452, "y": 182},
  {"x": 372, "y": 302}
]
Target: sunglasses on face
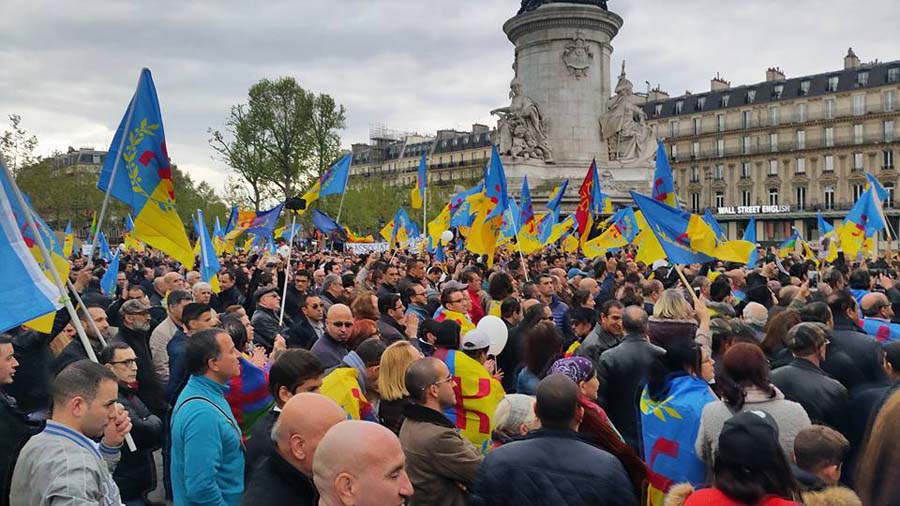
[
  {"x": 342, "y": 324},
  {"x": 314, "y": 306}
]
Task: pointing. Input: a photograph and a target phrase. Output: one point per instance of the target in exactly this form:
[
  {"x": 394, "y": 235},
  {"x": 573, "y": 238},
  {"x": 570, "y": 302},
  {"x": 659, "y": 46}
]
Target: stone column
[{"x": 563, "y": 52}]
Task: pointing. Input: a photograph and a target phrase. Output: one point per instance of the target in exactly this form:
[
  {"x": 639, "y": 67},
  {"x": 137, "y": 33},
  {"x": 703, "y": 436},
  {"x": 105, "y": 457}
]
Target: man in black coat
[
  {"x": 285, "y": 475},
  {"x": 265, "y": 318},
  {"x": 296, "y": 292},
  {"x": 803, "y": 381},
  {"x": 552, "y": 465},
  {"x": 309, "y": 325},
  {"x": 15, "y": 429},
  {"x": 622, "y": 371},
  {"x": 74, "y": 351},
  {"x": 848, "y": 337},
  {"x": 135, "y": 474},
  {"x": 135, "y": 332}
]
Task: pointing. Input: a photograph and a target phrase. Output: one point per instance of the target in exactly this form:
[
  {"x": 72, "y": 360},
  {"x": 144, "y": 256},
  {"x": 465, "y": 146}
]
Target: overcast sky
[{"x": 69, "y": 68}]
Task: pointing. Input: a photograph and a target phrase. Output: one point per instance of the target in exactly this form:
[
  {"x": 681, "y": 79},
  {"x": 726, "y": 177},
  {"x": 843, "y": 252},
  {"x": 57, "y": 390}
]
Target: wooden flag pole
[{"x": 63, "y": 295}]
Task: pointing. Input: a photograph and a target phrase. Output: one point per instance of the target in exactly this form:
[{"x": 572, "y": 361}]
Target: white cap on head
[{"x": 476, "y": 339}]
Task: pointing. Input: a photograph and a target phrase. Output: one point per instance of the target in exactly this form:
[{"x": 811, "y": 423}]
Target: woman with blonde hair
[
  {"x": 674, "y": 319},
  {"x": 392, "y": 385}
]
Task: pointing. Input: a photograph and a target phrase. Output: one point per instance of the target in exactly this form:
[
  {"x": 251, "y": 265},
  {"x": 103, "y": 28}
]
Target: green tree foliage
[
  {"x": 284, "y": 137},
  {"x": 16, "y": 146}
]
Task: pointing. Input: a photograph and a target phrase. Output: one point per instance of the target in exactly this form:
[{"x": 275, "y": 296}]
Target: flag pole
[
  {"x": 112, "y": 175},
  {"x": 63, "y": 296},
  {"x": 287, "y": 269}
]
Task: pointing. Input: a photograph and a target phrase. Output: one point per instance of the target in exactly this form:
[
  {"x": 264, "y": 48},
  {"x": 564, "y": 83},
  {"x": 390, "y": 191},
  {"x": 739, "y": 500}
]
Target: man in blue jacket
[{"x": 207, "y": 454}]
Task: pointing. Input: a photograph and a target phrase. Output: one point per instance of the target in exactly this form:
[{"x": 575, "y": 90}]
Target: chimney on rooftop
[
  {"x": 718, "y": 83},
  {"x": 774, "y": 74},
  {"x": 851, "y": 61},
  {"x": 657, "y": 94}
]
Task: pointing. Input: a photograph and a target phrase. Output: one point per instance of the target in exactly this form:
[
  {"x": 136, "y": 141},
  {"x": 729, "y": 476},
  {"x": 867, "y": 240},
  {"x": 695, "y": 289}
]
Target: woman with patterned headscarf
[{"x": 595, "y": 425}]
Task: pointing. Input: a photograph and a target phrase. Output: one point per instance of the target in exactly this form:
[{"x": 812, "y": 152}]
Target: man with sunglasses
[
  {"x": 309, "y": 326},
  {"x": 135, "y": 474},
  {"x": 441, "y": 464},
  {"x": 332, "y": 347}
]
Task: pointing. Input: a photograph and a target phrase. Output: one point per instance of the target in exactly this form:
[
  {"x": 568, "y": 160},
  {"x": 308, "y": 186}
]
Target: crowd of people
[{"x": 392, "y": 378}]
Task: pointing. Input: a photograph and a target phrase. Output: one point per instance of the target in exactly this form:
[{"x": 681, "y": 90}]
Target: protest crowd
[{"x": 638, "y": 360}]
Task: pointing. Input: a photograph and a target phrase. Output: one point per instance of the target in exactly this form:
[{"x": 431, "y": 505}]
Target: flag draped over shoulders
[
  {"x": 477, "y": 396},
  {"x": 342, "y": 386}
]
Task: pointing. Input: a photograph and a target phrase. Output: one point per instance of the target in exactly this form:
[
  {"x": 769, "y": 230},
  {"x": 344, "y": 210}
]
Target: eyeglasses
[
  {"x": 128, "y": 363},
  {"x": 457, "y": 301},
  {"x": 314, "y": 306},
  {"x": 448, "y": 379},
  {"x": 342, "y": 324}
]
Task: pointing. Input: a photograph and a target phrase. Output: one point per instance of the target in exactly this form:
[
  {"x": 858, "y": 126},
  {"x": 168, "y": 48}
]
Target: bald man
[
  {"x": 361, "y": 464},
  {"x": 285, "y": 476},
  {"x": 878, "y": 313},
  {"x": 333, "y": 346}
]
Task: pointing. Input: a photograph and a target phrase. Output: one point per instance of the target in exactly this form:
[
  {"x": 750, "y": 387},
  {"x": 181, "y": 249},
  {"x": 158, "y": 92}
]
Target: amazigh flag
[
  {"x": 68, "y": 240},
  {"x": 477, "y": 396},
  {"x": 26, "y": 292},
  {"x": 585, "y": 203},
  {"x": 144, "y": 175},
  {"x": 209, "y": 262},
  {"x": 105, "y": 251},
  {"x": 129, "y": 240},
  {"x": 260, "y": 224},
  {"x": 334, "y": 180},
  {"x": 342, "y": 386},
  {"x": 108, "y": 281},
  {"x": 862, "y": 222},
  {"x": 669, "y": 429},
  {"x": 418, "y": 192},
  {"x": 750, "y": 236},
  {"x": 495, "y": 186},
  {"x": 622, "y": 230},
  {"x": 663, "y": 182}
]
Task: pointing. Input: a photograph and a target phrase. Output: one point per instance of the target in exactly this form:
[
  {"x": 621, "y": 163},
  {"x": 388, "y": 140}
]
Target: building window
[
  {"x": 888, "y": 130},
  {"x": 777, "y": 91},
  {"x": 773, "y": 141},
  {"x": 801, "y": 197},
  {"x": 773, "y": 115},
  {"x": 859, "y": 104},
  {"x": 832, "y": 83},
  {"x": 695, "y": 202},
  {"x": 747, "y": 118},
  {"x": 720, "y": 199},
  {"x": 829, "y": 163},
  {"x": 887, "y": 159},
  {"x": 697, "y": 126},
  {"x": 657, "y": 110},
  {"x": 751, "y": 96},
  {"x": 745, "y": 170},
  {"x": 745, "y": 144},
  {"x": 829, "y": 108},
  {"x": 857, "y": 134},
  {"x": 888, "y": 98},
  {"x": 679, "y": 105},
  {"x": 745, "y": 198},
  {"x": 673, "y": 151},
  {"x": 857, "y": 191},
  {"x": 893, "y": 75},
  {"x": 801, "y": 113},
  {"x": 889, "y": 186},
  {"x": 801, "y": 139},
  {"x": 695, "y": 148},
  {"x": 829, "y": 136},
  {"x": 804, "y": 88},
  {"x": 695, "y": 175},
  {"x": 801, "y": 166},
  {"x": 773, "y": 196},
  {"x": 673, "y": 129},
  {"x": 720, "y": 122},
  {"x": 719, "y": 172},
  {"x": 720, "y": 147},
  {"x": 701, "y": 102},
  {"x": 773, "y": 167},
  {"x": 829, "y": 197},
  {"x": 725, "y": 99},
  {"x": 862, "y": 77},
  {"x": 857, "y": 161}
]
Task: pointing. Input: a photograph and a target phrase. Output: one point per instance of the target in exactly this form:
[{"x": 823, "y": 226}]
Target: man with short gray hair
[
  {"x": 202, "y": 292},
  {"x": 755, "y": 315},
  {"x": 332, "y": 291}
]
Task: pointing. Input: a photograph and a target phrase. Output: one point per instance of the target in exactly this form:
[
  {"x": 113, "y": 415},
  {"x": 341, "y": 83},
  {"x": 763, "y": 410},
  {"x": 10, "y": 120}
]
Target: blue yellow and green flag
[
  {"x": 495, "y": 186},
  {"x": 334, "y": 180},
  {"x": 128, "y": 237},
  {"x": 862, "y": 222},
  {"x": 68, "y": 240},
  {"x": 418, "y": 192},
  {"x": 108, "y": 281},
  {"x": 145, "y": 183},
  {"x": 209, "y": 262},
  {"x": 622, "y": 230},
  {"x": 750, "y": 236},
  {"x": 663, "y": 182}
]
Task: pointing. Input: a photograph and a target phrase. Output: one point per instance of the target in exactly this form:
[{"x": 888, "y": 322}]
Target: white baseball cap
[{"x": 476, "y": 339}]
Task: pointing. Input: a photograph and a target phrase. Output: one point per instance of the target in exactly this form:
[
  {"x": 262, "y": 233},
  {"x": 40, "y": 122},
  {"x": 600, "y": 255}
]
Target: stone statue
[
  {"x": 624, "y": 127},
  {"x": 577, "y": 56},
  {"x": 530, "y": 5},
  {"x": 521, "y": 128}
]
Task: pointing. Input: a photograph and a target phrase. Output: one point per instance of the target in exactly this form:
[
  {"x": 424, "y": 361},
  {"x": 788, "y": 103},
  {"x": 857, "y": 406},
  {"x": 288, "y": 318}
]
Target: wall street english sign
[{"x": 754, "y": 209}]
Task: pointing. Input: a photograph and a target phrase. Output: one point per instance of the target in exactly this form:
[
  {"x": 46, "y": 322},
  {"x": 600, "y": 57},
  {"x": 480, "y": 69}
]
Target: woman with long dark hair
[
  {"x": 749, "y": 469},
  {"x": 878, "y": 470},
  {"x": 744, "y": 386},
  {"x": 776, "y": 330},
  {"x": 543, "y": 345}
]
